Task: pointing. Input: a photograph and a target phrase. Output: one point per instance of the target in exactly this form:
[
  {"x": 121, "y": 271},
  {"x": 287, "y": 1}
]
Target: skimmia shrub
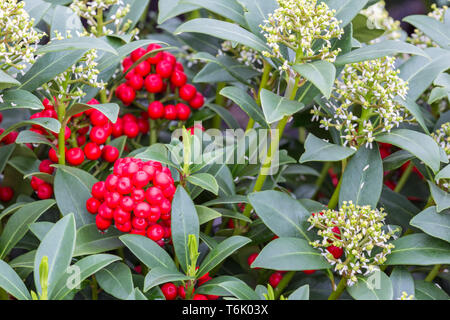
[{"x": 223, "y": 149}]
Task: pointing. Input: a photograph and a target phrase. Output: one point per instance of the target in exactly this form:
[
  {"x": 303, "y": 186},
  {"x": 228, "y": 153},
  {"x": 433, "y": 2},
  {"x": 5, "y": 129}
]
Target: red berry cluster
[
  {"x": 162, "y": 75},
  {"x": 10, "y": 137},
  {"x": 171, "y": 291},
  {"x": 6, "y": 194},
  {"x": 137, "y": 196}
]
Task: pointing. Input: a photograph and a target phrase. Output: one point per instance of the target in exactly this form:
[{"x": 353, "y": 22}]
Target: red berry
[
  {"x": 98, "y": 135},
  {"x": 45, "y": 191},
  {"x": 117, "y": 128},
  {"x": 165, "y": 206},
  {"x": 124, "y": 185},
  {"x": 155, "y": 232},
  {"x": 169, "y": 290},
  {"x": 164, "y": 69},
  {"x": 139, "y": 223},
  {"x": 138, "y": 195},
  {"x": 142, "y": 210},
  {"x": 199, "y": 297},
  {"x": 183, "y": 111},
  {"x": 121, "y": 216},
  {"x": 127, "y": 203},
  {"x": 162, "y": 180},
  {"x": 252, "y": 258},
  {"x": 155, "y": 57},
  {"x": 99, "y": 190},
  {"x": 97, "y": 118},
  {"x": 111, "y": 182},
  {"x": 75, "y": 156},
  {"x": 170, "y": 112},
  {"x": 141, "y": 179},
  {"x": 187, "y": 92},
  {"x": 137, "y": 231},
  {"x": 105, "y": 212},
  {"x": 36, "y": 182},
  {"x": 112, "y": 199},
  {"x": 110, "y": 153},
  {"x": 178, "y": 78},
  {"x": 6, "y": 194},
  {"x": 153, "y": 83},
  {"x": 143, "y": 125},
  {"x": 309, "y": 271},
  {"x": 137, "y": 54},
  {"x": 124, "y": 227},
  {"x": 102, "y": 224},
  {"x": 92, "y": 151},
  {"x": 197, "y": 102},
  {"x": 45, "y": 166},
  {"x": 127, "y": 63},
  {"x": 92, "y": 205},
  {"x": 127, "y": 95},
  {"x": 275, "y": 279},
  {"x": 335, "y": 251},
  {"x": 167, "y": 56},
  {"x": 143, "y": 68},
  {"x": 131, "y": 129},
  {"x": 155, "y": 110},
  {"x": 154, "y": 195},
  {"x": 154, "y": 214},
  {"x": 81, "y": 140}
]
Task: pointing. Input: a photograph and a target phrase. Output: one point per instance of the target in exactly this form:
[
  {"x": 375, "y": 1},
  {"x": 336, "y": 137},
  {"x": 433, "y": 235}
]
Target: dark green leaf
[{"x": 318, "y": 150}]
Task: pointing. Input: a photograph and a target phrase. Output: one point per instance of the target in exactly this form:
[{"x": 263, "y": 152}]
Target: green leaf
[
  {"x": 375, "y": 286},
  {"x": 415, "y": 110},
  {"x": 226, "y": 8},
  {"x": 220, "y": 253},
  {"x": 110, "y": 110},
  {"x": 171, "y": 8},
  {"x": 301, "y": 293},
  {"x": 86, "y": 43},
  {"x": 363, "y": 178},
  {"x": 419, "y": 249},
  {"x": 28, "y": 136},
  {"x": 156, "y": 152},
  {"x": 379, "y": 50},
  {"x": 318, "y": 150},
  {"x": 5, "y": 153},
  {"x": 20, "y": 99},
  {"x": 226, "y": 115},
  {"x": 91, "y": 241},
  {"x": 276, "y": 107},
  {"x": 205, "y": 181},
  {"x": 246, "y": 103},
  {"x": 433, "y": 28},
  {"x": 433, "y": 223},
  {"x": 396, "y": 160},
  {"x": 227, "y": 200},
  {"x": 63, "y": 20},
  {"x": 428, "y": 291},
  {"x": 320, "y": 73},
  {"x": 184, "y": 223},
  {"x": 206, "y": 214},
  {"x": 87, "y": 267},
  {"x": 440, "y": 197},
  {"x": 402, "y": 281},
  {"x": 282, "y": 214},
  {"x": 72, "y": 189},
  {"x": 223, "y": 30},
  {"x": 11, "y": 282},
  {"x": 19, "y": 222},
  {"x": 48, "y": 67},
  {"x": 419, "y": 144},
  {"x": 159, "y": 275},
  {"x": 6, "y": 81},
  {"x": 225, "y": 286},
  {"x": 47, "y": 123},
  {"x": 257, "y": 12},
  {"x": 443, "y": 174},
  {"x": 116, "y": 280},
  {"x": 58, "y": 245},
  {"x": 290, "y": 254},
  {"x": 346, "y": 10},
  {"x": 420, "y": 72},
  {"x": 362, "y": 32},
  {"x": 40, "y": 229},
  {"x": 147, "y": 251}
]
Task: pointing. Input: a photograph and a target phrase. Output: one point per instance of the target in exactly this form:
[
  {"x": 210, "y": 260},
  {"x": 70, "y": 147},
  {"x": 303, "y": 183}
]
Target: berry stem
[
  {"x": 94, "y": 287},
  {"x": 322, "y": 176},
  {"x": 283, "y": 283},
  {"x": 61, "y": 111},
  {"x": 153, "y": 132},
  {"x": 433, "y": 273},
  {"x": 404, "y": 178},
  {"x": 335, "y": 197},
  {"x": 340, "y": 288}
]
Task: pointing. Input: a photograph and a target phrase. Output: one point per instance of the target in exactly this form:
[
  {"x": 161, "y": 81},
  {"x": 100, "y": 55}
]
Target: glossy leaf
[
  {"x": 433, "y": 223},
  {"x": 116, "y": 280},
  {"x": 276, "y": 107},
  {"x": 11, "y": 283},
  {"x": 318, "y": 150},
  {"x": 375, "y": 286},
  {"x": 320, "y": 73},
  {"x": 159, "y": 275}
]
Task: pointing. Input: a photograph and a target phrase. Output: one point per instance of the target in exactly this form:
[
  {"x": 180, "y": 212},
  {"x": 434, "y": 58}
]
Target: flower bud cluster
[
  {"x": 18, "y": 39},
  {"x": 358, "y": 231},
  {"x": 243, "y": 54},
  {"x": 298, "y": 25},
  {"x": 442, "y": 137},
  {"x": 92, "y": 11},
  {"x": 405, "y": 296},
  {"x": 418, "y": 38},
  {"x": 375, "y": 86},
  {"x": 378, "y": 17}
]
